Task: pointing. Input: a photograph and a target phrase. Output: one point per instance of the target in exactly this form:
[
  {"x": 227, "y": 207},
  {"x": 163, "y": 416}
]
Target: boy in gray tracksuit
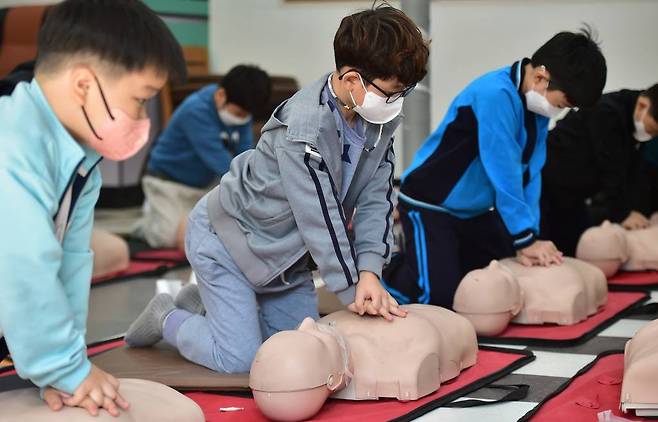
[{"x": 324, "y": 159}]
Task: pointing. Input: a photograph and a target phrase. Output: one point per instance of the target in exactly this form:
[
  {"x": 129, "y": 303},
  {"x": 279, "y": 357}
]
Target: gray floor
[{"x": 115, "y": 305}]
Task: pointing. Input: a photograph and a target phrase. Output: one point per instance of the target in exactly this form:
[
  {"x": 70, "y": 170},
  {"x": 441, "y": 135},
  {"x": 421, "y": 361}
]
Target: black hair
[
  {"x": 576, "y": 65},
  {"x": 122, "y": 33},
  {"x": 652, "y": 94},
  {"x": 248, "y": 87}
]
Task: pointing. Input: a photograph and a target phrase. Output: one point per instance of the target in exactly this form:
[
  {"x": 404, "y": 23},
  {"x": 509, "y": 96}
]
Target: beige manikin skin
[
  {"x": 641, "y": 366},
  {"x": 642, "y": 249},
  {"x": 489, "y": 297},
  {"x": 562, "y": 294},
  {"x": 604, "y": 246},
  {"x": 295, "y": 371},
  {"x": 149, "y": 401},
  {"x": 611, "y": 247}
]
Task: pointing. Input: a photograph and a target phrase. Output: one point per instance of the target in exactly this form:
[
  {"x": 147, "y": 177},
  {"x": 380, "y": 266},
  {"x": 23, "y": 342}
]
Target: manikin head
[
  {"x": 489, "y": 298},
  {"x": 641, "y": 366},
  {"x": 604, "y": 246},
  {"x": 303, "y": 366}
]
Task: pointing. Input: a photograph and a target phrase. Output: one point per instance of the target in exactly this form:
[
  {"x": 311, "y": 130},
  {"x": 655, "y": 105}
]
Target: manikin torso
[
  {"x": 149, "y": 401},
  {"x": 611, "y": 247},
  {"x": 406, "y": 359},
  {"x": 641, "y": 367},
  {"x": 392, "y": 360},
  {"x": 508, "y": 291},
  {"x": 562, "y": 294},
  {"x": 642, "y": 249}
]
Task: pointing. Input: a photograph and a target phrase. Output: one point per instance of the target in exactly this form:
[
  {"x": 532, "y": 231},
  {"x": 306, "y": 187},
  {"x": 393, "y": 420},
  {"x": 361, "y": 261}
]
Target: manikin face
[
  {"x": 302, "y": 366},
  {"x": 333, "y": 348}
]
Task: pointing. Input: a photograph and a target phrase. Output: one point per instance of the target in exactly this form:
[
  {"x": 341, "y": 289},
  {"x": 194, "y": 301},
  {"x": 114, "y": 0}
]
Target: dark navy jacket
[{"x": 487, "y": 153}]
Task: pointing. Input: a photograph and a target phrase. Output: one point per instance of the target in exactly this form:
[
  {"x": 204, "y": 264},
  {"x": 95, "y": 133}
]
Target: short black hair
[
  {"x": 248, "y": 87},
  {"x": 123, "y": 33},
  {"x": 382, "y": 43},
  {"x": 576, "y": 65},
  {"x": 652, "y": 94}
]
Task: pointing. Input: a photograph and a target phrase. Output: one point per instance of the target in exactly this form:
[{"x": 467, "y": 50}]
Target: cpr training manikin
[
  {"x": 347, "y": 356},
  {"x": 507, "y": 291},
  {"x": 149, "y": 401},
  {"x": 611, "y": 248},
  {"x": 638, "y": 392}
]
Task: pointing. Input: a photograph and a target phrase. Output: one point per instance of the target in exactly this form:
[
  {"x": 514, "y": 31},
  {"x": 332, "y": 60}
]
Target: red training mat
[
  {"x": 492, "y": 364},
  {"x": 92, "y": 350},
  {"x": 551, "y": 334},
  {"x": 634, "y": 278},
  {"x": 594, "y": 389},
  {"x": 161, "y": 254},
  {"x": 138, "y": 268}
]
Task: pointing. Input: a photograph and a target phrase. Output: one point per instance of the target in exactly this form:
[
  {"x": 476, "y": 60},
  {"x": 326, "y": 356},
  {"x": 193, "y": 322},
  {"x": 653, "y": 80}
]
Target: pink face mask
[{"x": 121, "y": 136}]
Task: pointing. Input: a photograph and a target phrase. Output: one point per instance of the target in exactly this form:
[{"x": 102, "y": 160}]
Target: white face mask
[
  {"x": 230, "y": 119},
  {"x": 641, "y": 134},
  {"x": 375, "y": 109},
  {"x": 539, "y": 104}
]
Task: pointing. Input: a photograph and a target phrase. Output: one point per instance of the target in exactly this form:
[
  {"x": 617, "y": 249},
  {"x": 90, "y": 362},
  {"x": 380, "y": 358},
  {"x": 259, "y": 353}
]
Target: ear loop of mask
[
  {"x": 340, "y": 78},
  {"x": 364, "y": 89},
  {"x": 106, "y": 108}
]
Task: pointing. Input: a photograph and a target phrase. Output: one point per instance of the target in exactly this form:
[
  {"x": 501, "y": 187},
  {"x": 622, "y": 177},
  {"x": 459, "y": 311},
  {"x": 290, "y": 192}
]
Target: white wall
[
  {"x": 292, "y": 38},
  {"x": 470, "y": 37}
]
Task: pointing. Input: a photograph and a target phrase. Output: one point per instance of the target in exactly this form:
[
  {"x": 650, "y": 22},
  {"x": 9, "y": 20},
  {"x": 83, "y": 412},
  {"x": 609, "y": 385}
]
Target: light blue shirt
[{"x": 45, "y": 283}]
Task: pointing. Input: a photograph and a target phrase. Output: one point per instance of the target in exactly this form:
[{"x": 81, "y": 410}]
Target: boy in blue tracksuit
[
  {"x": 85, "y": 102},
  {"x": 207, "y": 130},
  {"x": 472, "y": 191}
]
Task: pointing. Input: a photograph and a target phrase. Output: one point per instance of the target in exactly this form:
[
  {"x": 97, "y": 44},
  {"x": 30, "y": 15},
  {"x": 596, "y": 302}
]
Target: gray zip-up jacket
[{"x": 280, "y": 201}]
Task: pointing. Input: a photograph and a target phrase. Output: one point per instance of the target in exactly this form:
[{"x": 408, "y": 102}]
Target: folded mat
[
  {"x": 633, "y": 279},
  {"x": 138, "y": 268},
  {"x": 163, "y": 364},
  {"x": 140, "y": 250},
  {"x": 174, "y": 255},
  {"x": 619, "y": 304},
  {"x": 493, "y": 363},
  {"x": 594, "y": 389}
]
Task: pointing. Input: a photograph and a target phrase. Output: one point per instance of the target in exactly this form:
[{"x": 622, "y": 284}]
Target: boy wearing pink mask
[{"x": 98, "y": 62}]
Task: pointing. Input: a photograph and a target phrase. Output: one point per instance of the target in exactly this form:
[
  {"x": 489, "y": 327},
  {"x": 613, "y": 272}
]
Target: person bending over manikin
[
  {"x": 507, "y": 291},
  {"x": 611, "y": 248},
  {"x": 149, "y": 401},
  {"x": 354, "y": 357}
]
